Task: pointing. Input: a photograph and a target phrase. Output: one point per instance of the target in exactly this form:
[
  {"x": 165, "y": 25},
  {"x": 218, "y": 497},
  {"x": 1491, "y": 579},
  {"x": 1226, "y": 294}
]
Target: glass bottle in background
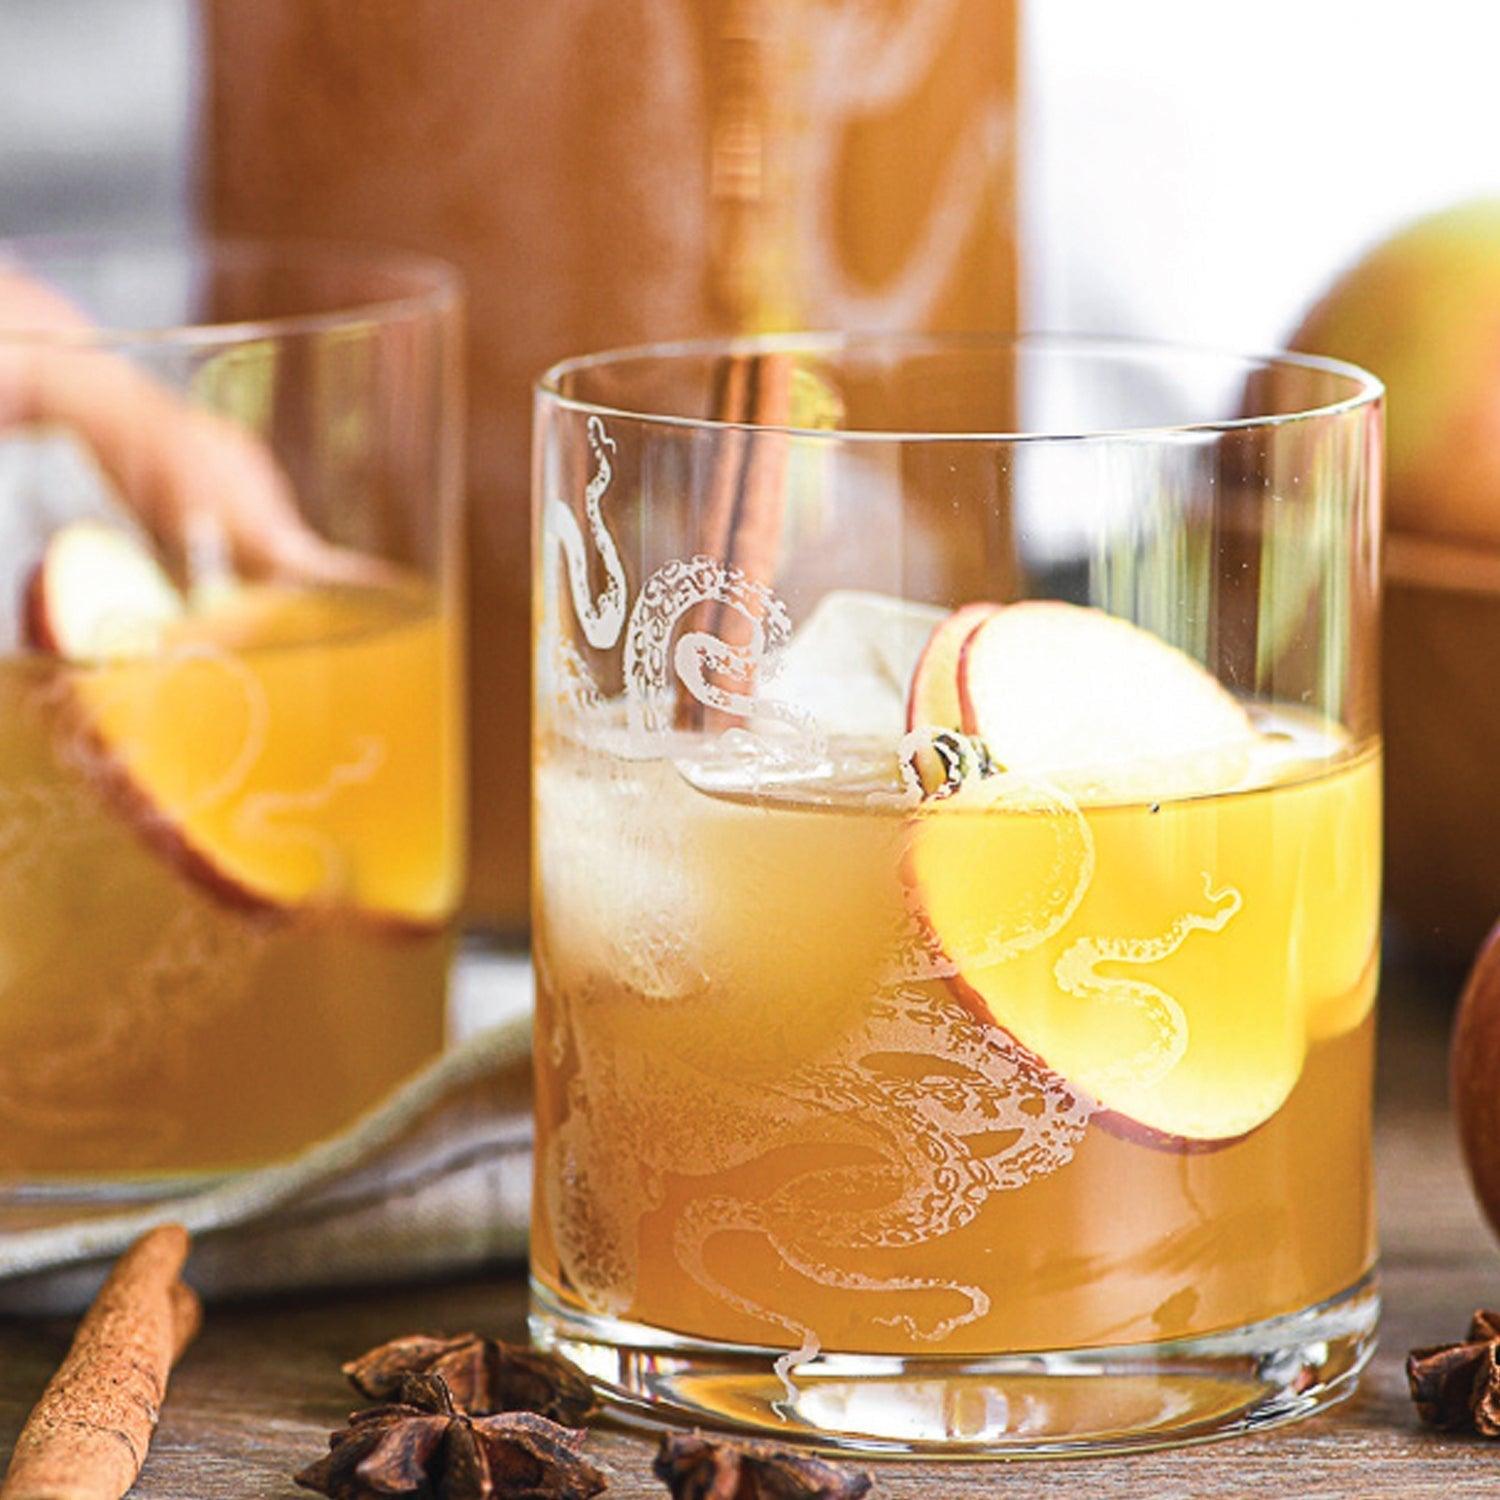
[{"x": 607, "y": 171}]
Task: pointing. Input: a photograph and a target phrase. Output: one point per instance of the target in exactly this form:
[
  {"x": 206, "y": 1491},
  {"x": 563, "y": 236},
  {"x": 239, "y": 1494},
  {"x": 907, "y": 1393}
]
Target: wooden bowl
[{"x": 1441, "y": 702}]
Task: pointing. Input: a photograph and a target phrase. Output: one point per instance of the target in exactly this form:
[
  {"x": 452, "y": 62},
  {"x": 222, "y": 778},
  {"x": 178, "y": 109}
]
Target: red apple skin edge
[
  {"x": 1474, "y": 1076},
  {"x": 36, "y": 619},
  {"x": 961, "y": 623},
  {"x": 122, "y": 792},
  {"x": 1119, "y": 1125}
]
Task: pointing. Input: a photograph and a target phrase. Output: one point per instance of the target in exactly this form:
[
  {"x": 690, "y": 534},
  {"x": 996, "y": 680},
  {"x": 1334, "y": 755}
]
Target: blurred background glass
[{"x": 230, "y": 709}]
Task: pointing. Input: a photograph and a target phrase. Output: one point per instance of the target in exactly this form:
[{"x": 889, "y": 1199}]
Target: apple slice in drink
[
  {"x": 1061, "y": 689},
  {"x": 1045, "y": 946},
  {"x": 271, "y": 777},
  {"x": 933, "y": 698}
]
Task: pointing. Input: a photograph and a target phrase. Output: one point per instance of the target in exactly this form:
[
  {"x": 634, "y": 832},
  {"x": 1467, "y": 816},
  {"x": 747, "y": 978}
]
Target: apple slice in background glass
[
  {"x": 1085, "y": 717},
  {"x": 97, "y": 595},
  {"x": 200, "y": 729}
]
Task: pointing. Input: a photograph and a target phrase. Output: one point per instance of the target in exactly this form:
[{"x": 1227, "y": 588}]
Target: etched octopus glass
[{"x": 956, "y": 892}]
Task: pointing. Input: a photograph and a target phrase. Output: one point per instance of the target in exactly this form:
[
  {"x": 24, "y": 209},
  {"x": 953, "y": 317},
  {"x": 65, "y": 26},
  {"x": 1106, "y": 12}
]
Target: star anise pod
[
  {"x": 421, "y": 1446},
  {"x": 695, "y": 1467},
  {"x": 1456, "y": 1387},
  {"x": 483, "y": 1375}
]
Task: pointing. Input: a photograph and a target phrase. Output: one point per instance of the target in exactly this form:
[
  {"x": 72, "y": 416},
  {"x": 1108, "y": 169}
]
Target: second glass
[
  {"x": 230, "y": 745},
  {"x": 958, "y": 797}
]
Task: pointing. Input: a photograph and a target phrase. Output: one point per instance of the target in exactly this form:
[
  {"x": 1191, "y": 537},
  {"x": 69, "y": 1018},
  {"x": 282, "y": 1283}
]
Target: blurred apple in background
[{"x": 1422, "y": 311}]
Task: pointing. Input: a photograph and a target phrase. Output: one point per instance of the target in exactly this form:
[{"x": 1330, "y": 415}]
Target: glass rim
[
  {"x": 436, "y": 286},
  {"x": 1368, "y": 389}
]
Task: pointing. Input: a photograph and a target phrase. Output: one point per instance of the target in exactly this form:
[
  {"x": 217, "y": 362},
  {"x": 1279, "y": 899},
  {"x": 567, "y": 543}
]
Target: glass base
[{"x": 1078, "y": 1401}]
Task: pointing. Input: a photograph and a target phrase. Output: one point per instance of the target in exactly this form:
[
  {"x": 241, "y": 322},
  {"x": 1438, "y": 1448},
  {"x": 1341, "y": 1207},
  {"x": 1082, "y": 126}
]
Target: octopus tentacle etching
[
  {"x": 911, "y": 1168},
  {"x": 1077, "y": 973},
  {"x": 699, "y": 660},
  {"x": 601, "y": 616}
]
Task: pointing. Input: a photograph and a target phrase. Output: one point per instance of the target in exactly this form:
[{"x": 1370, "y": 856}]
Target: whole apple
[
  {"x": 1474, "y": 1067},
  {"x": 1422, "y": 311}
]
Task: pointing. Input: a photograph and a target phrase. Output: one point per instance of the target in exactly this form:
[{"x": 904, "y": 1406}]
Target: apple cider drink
[
  {"x": 231, "y": 861},
  {"x": 821, "y": 1066},
  {"x": 230, "y": 738},
  {"x": 954, "y": 1022}
]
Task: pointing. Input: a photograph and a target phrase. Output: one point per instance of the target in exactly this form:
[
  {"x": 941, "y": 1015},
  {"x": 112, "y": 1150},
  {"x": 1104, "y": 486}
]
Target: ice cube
[
  {"x": 848, "y": 666},
  {"x": 615, "y": 869}
]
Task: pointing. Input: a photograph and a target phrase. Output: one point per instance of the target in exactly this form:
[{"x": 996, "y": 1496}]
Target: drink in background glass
[
  {"x": 230, "y": 745},
  {"x": 607, "y": 171},
  {"x": 955, "y": 974}
]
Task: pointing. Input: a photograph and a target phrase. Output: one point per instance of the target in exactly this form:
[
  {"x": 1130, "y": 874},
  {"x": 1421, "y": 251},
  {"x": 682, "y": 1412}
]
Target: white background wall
[
  {"x": 1197, "y": 169},
  {"x": 1194, "y": 169},
  {"x": 93, "y": 114}
]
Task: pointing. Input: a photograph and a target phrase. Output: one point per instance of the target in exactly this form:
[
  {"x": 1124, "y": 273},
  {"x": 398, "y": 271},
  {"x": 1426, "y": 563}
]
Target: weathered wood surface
[{"x": 257, "y": 1395}]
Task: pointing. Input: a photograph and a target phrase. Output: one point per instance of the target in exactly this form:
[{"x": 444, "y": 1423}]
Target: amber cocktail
[
  {"x": 229, "y": 734},
  {"x": 957, "y": 888}
]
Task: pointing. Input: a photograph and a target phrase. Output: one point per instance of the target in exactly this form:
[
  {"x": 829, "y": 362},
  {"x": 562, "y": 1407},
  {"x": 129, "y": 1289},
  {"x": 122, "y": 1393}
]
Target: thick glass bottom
[{"x": 1078, "y": 1401}]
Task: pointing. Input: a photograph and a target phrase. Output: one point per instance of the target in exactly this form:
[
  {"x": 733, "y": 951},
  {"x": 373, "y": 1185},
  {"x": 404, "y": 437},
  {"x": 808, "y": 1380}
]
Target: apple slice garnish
[
  {"x": 1059, "y": 689},
  {"x": 1077, "y": 709},
  {"x": 933, "y": 698},
  {"x": 100, "y": 601},
  {"x": 265, "y": 776}
]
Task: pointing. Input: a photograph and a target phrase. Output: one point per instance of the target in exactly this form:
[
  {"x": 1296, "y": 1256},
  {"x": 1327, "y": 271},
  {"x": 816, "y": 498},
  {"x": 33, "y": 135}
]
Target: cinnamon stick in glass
[{"x": 742, "y": 522}]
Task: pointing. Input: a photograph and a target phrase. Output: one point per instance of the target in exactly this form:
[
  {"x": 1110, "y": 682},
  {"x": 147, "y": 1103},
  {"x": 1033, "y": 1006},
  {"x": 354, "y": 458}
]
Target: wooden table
[{"x": 258, "y": 1394}]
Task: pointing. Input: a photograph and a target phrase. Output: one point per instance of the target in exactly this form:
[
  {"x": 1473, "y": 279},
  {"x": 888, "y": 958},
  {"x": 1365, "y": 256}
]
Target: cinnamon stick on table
[{"x": 86, "y": 1439}]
